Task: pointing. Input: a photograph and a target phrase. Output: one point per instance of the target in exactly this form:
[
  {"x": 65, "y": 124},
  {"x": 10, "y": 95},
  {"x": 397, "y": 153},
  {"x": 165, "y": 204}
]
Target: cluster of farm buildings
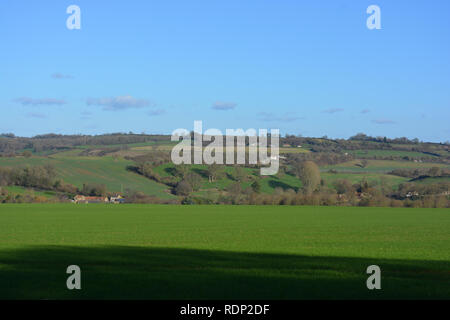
[{"x": 87, "y": 199}]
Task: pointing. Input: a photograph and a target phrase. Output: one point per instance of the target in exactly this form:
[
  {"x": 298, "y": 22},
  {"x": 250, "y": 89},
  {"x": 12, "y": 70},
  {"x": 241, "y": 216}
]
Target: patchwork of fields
[
  {"x": 211, "y": 252},
  {"x": 112, "y": 172}
]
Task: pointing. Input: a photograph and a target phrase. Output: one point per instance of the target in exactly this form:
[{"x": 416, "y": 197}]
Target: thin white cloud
[
  {"x": 25, "y": 101},
  {"x": 85, "y": 115},
  {"x": 286, "y": 117},
  {"x": 333, "y": 110},
  {"x": 118, "y": 103},
  {"x": 60, "y": 76},
  {"x": 383, "y": 121},
  {"x": 156, "y": 112},
  {"x": 36, "y": 115},
  {"x": 219, "y": 105}
]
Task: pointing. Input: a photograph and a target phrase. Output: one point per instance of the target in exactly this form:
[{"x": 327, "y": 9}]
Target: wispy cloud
[
  {"x": 156, "y": 112},
  {"x": 58, "y": 76},
  {"x": 286, "y": 117},
  {"x": 333, "y": 110},
  {"x": 85, "y": 115},
  {"x": 218, "y": 105},
  {"x": 383, "y": 121},
  {"x": 365, "y": 111},
  {"x": 44, "y": 101},
  {"x": 36, "y": 115},
  {"x": 118, "y": 103}
]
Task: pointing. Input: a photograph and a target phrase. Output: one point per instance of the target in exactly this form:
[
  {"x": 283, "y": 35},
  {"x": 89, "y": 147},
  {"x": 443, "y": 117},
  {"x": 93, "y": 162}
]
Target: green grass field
[
  {"x": 103, "y": 170},
  {"x": 268, "y": 183},
  {"x": 228, "y": 252},
  {"x": 431, "y": 180},
  {"x": 381, "y": 166},
  {"x": 390, "y": 180},
  {"x": 21, "y": 190},
  {"x": 388, "y": 153}
]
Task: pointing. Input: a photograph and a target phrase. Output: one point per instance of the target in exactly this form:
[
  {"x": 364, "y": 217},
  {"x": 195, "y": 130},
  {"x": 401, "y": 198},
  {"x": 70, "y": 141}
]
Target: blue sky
[{"x": 305, "y": 67}]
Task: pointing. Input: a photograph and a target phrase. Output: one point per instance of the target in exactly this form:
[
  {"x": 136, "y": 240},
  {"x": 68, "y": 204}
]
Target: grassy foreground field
[{"x": 212, "y": 252}]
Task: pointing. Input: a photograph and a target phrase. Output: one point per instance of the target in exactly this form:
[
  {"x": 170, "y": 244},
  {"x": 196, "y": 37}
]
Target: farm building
[
  {"x": 117, "y": 199},
  {"x": 86, "y": 199}
]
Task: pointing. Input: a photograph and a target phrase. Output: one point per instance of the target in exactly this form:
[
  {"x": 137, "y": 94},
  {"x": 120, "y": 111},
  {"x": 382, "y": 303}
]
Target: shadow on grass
[
  {"x": 170, "y": 170},
  {"x": 279, "y": 184},
  {"x": 119, "y": 272},
  {"x": 202, "y": 172},
  {"x": 230, "y": 177}
]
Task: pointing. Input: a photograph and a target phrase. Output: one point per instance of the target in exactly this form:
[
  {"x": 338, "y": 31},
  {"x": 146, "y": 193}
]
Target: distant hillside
[{"x": 140, "y": 166}]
